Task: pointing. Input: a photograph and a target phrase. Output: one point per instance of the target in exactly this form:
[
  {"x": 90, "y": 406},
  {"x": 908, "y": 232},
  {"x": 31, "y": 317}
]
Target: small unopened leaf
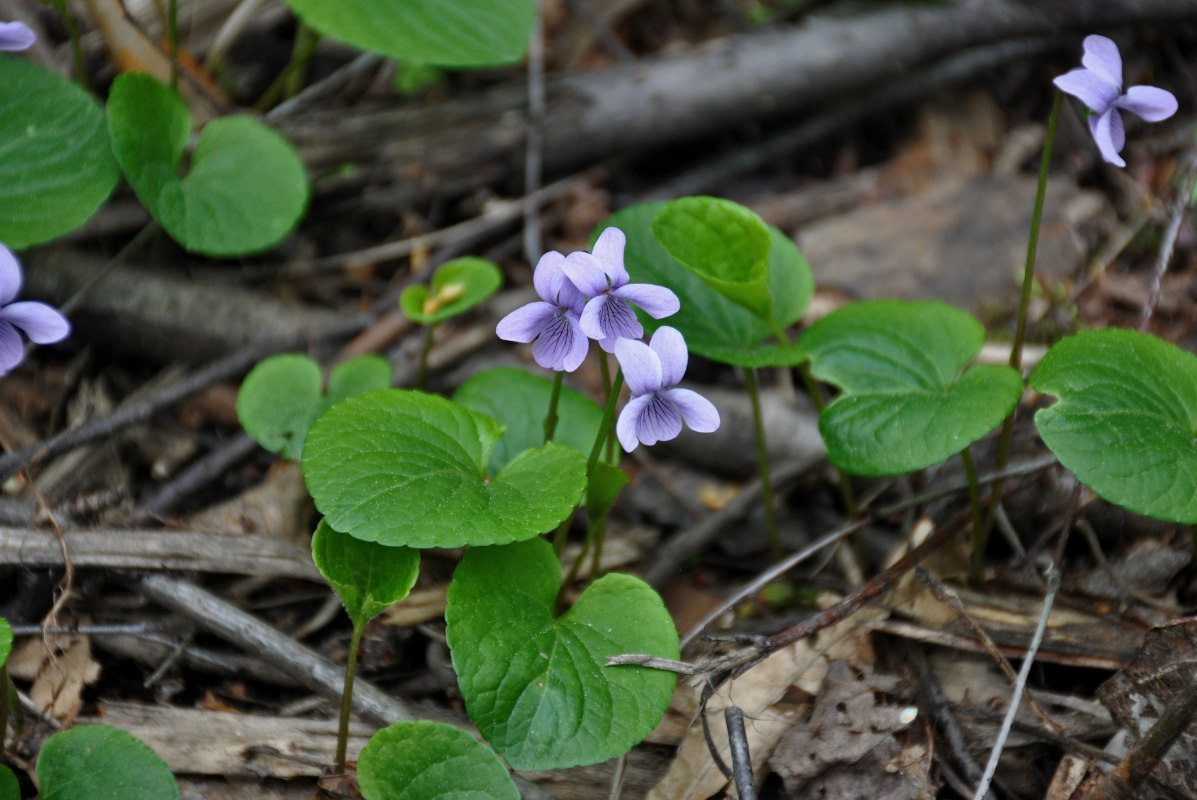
[
  {"x": 281, "y": 397},
  {"x": 95, "y": 762},
  {"x": 57, "y": 167},
  {"x": 519, "y": 400},
  {"x": 723, "y": 243},
  {"x": 409, "y": 468},
  {"x": 714, "y": 326},
  {"x": 431, "y": 761},
  {"x": 456, "y": 287},
  {"x": 245, "y": 188},
  {"x": 367, "y": 576},
  {"x": 537, "y": 686},
  {"x": 1126, "y": 419},
  {"x": 5, "y": 640},
  {"x": 451, "y": 33},
  {"x": 908, "y": 400}
]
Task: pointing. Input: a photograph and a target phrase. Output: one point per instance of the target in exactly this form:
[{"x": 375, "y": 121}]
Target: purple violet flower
[
  {"x": 553, "y": 323},
  {"x": 41, "y": 323},
  {"x": 1099, "y": 86},
  {"x": 16, "y": 36},
  {"x": 656, "y": 411},
  {"x": 602, "y": 278}
]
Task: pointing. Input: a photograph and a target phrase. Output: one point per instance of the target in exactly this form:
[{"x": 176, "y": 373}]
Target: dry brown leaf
[
  {"x": 59, "y": 667},
  {"x": 278, "y": 508}
]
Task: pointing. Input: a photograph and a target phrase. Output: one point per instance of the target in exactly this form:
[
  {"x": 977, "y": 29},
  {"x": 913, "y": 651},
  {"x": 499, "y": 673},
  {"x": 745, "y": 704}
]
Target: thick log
[{"x": 404, "y": 151}]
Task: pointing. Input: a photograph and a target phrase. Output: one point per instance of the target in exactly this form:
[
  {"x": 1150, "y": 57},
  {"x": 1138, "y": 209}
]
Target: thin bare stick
[
  {"x": 741, "y": 759},
  {"x": 1176, "y": 214},
  {"x": 197, "y": 475}
]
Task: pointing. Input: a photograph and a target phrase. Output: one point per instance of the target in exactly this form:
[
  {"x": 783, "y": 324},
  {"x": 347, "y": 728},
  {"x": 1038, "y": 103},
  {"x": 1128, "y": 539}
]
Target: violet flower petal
[
  {"x": 657, "y": 301},
  {"x": 525, "y": 323},
  {"x": 609, "y": 247},
  {"x": 1148, "y": 102},
  {"x": 641, "y": 366},
  {"x": 10, "y": 276},
  {"x": 607, "y": 319},
  {"x": 698, "y": 412},
  {"x": 1108, "y": 134},
  {"x": 625, "y": 427},
  {"x": 1103, "y": 59},
  {"x": 43, "y": 324},
  {"x": 670, "y": 348},
  {"x": 586, "y": 273},
  {"x": 561, "y": 346},
  {"x": 546, "y": 278},
  {"x": 11, "y": 349},
  {"x": 16, "y": 36},
  {"x": 658, "y": 420},
  {"x": 1090, "y": 89}
]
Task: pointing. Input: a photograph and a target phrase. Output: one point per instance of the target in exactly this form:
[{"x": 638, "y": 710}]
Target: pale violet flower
[
  {"x": 602, "y": 278},
  {"x": 657, "y": 409},
  {"x": 16, "y": 36},
  {"x": 41, "y": 323},
  {"x": 1098, "y": 84},
  {"x": 552, "y": 324}
]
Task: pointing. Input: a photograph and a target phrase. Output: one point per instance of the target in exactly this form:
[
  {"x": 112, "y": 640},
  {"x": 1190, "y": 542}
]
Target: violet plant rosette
[
  {"x": 552, "y": 324},
  {"x": 16, "y": 36},
  {"x": 1098, "y": 84},
  {"x": 601, "y": 276},
  {"x": 43, "y": 324},
  {"x": 657, "y": 409}
]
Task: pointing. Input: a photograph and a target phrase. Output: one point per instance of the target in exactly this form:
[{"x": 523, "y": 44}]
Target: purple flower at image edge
[
  {"x": 552, "y": 324},
  {"x": 16, "y": 36},
  {"x": 40, "y": 322},
  {"x": 1098, "y": 84},
  {"x": 657, "y": 409},
  {"x": 602, "y": 277}
]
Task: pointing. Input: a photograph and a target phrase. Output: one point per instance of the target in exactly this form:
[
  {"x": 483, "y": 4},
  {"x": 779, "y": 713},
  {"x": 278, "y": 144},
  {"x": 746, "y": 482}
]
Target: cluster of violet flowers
[
  {"x": 586, "y": 296},
  {"x": 43, "y": 324}
]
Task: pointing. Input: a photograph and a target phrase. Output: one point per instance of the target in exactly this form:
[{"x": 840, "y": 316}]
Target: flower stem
[
  {"x": 605, "y": 370},
  {"x": 422, "y": 369},
  {"x": 981, "y": 536},
  {"x": 762, "y": 462},
  {"x": 606, "y": 427},
  {"x": 347, "y": 695},
  {"x": 550, "y": 419},
  {"x": 977, "y": 568}
]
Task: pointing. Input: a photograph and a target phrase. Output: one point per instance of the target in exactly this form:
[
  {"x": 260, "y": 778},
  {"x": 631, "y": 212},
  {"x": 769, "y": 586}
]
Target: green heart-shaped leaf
[
  {"x": 367, "y": 576},
  {"x": 408, "y": 468},
  {"x": 96, "y": 762},
  {"x": 537, "y": 686},
  {"x": 908, "y": 402},
  {"x": 519, "y": 400},
  {"x": 713, "y": 325},
  {"x": 450, "y": 33},
  {"x": 431, "y": 761},
  {"x": 57, "y": 167},
  {"x": 723, "y": 243},
  {"x": 246, "y": 187},
  {"x": 457, "y": 286},
  {"x": 10, "y": 787},
  {"x": 1126, "y": 420},
  {"x": 5, "y": 641},
  {"x": 281, "y": 397}
]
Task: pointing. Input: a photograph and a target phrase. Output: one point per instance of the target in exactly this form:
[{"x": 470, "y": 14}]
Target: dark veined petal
[
  {"x": 1149, "y": 102},
  {"x": 11, "y": 349},
  {"x": 657, "y": 301},
  {"x": 561, "y": 346},
  {"x": 641, "y": 366},
  {"x": 647, "y": 419},
  {"x": 625, "y": 426},
  {"x": 16, "y": 36},
  {"x": 1102, "y": 58},
  {"x": 607, "y": 319},
  {"x": 699, "y": 413},
  {"x": 1109, "y": 135},
  {"x": 43, "y": 324},
  {"x": 670, "y": 347},
  {"x": 1089, "y": 88},
  {"x": 525, "y": 323},
  {"x": 10, "y": 276}
]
